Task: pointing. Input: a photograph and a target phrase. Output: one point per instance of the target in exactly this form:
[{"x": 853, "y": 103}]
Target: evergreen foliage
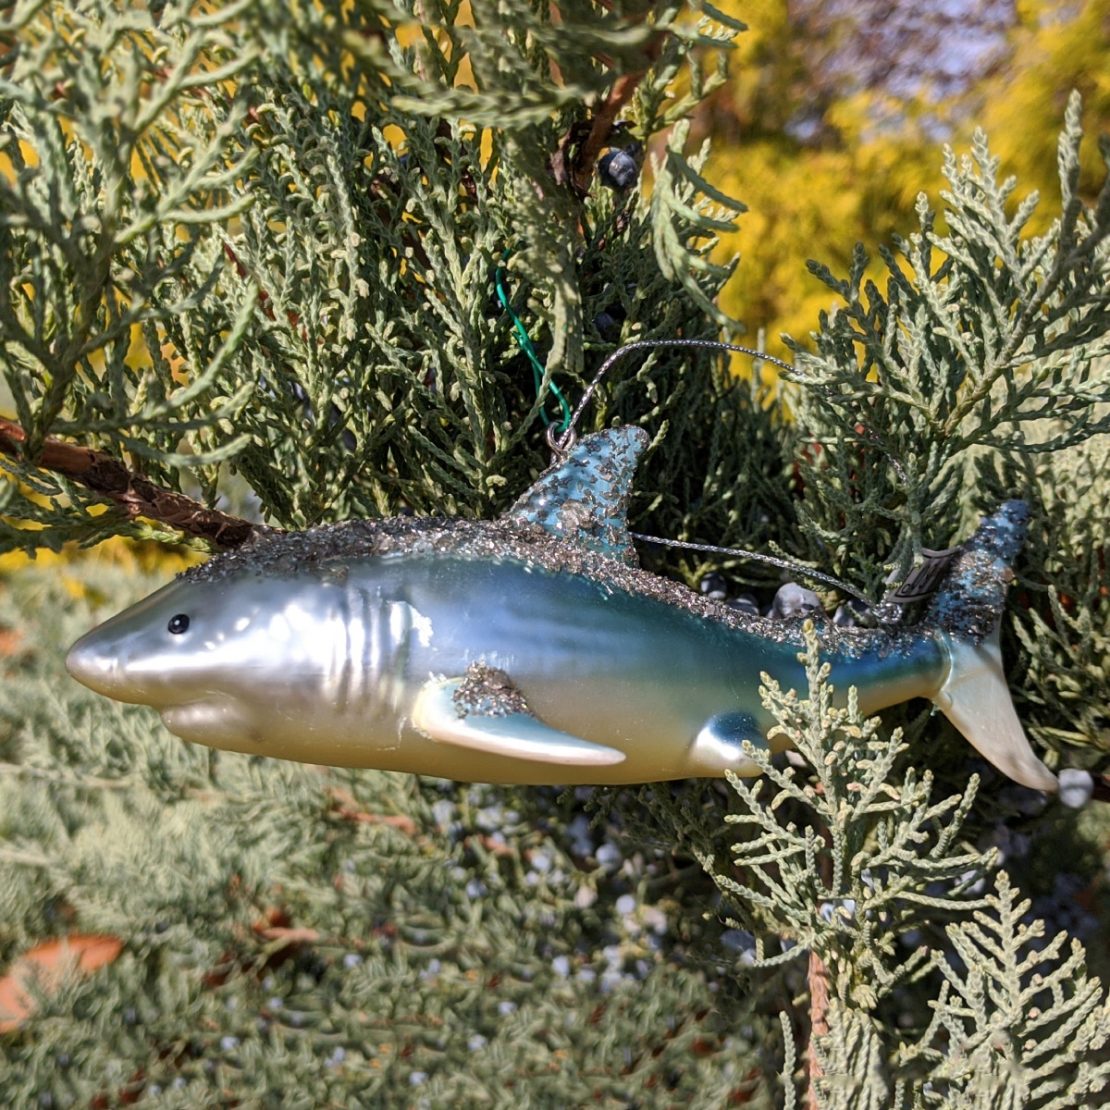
[
  {"x": 981, "y": 371},
  {"x": 257, "y": 205},
  {"x": 843, "y": 869},
  {"x": 980, "y": 333},
  {"x": 843, "y": 863},
  {"x": 252, "y": 254}
]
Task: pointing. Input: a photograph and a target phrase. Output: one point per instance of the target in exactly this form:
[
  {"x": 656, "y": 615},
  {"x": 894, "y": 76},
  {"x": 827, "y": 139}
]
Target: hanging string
[
  {"x": 560, "y": 443},
  {"x": 786, "y": 564},
  {"x": 525, "y": 343},
  {"x": 567, "y": 436},
  {"x": 561, "y": 438}
]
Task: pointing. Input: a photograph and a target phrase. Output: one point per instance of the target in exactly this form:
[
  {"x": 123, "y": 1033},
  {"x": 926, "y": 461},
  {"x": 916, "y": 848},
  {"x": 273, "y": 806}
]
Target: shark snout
[{"x": 94, "y": 668}]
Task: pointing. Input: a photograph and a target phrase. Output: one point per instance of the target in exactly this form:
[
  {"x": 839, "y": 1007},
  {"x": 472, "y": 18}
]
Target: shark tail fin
[
  {"x": 967, "y": 609},
  {"x": 976, "y": 699}
]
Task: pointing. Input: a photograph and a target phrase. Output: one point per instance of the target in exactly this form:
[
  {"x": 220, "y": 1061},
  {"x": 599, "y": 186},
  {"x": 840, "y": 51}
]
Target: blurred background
[{"x": 836, "y": 110}]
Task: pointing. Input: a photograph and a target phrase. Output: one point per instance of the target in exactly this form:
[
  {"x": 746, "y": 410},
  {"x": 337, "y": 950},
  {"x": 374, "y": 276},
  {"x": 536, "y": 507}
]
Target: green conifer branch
[
  {"x": 982, "y": 333},
  {"x": 274, "y": 223},
  {"x": 263, "y": 241}
]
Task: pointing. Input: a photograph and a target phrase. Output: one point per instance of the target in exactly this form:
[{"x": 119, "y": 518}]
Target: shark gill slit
[
  {"x": 373, "y": 658},
  {"x": 377, "y": 646},
  {"x": 401, "y": 628},
  {"x": 364, "y": 668},
  {"x": 346, "y": 666}
]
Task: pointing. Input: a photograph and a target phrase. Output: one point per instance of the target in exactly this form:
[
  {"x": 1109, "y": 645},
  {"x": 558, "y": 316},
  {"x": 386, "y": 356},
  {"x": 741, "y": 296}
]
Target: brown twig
[
  {"x": 818, "y": 979},
  {"x": 137, "y": 496},
  {"x": 347, "y": 807},
  {"x": 574, "y": 161}
]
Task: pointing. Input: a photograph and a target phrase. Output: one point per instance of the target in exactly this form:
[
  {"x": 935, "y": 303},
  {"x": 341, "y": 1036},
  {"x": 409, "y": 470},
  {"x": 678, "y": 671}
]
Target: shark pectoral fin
[
  {"x": 717, "y": 746},
  {"x": 518, "y": 733},
  {"x": 976, "y": 699}
]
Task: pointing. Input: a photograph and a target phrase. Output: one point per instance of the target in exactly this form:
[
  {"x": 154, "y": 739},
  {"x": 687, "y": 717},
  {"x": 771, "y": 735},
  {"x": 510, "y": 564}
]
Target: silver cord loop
[
  {"x": 759, "y": 557},
  {"x": 560, "y": 448},
  {"x": 647, "y": 345}
]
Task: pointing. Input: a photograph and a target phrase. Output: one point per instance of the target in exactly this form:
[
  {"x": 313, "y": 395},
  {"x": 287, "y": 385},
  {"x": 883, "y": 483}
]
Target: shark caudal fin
[{"x": 966, "y": 611}]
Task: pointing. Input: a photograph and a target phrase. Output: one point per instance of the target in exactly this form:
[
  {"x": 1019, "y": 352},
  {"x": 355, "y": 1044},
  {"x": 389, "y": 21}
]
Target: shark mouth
[{"x": 217, "y": 722}]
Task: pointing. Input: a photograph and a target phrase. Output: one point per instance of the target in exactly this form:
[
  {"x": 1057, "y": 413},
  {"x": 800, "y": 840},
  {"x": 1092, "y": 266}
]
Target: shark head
[
  {"x": 147, "y": 654},
  {"x": 183, "y": 650}
]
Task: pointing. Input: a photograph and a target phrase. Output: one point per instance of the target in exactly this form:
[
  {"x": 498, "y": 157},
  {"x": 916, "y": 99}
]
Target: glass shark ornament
[{"x": 530, "y": 649}]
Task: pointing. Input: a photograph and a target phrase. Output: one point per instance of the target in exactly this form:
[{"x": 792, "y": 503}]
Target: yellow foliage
[
  {"x": 1058, "y": 47},
  {"x": 858, "y": 182},
  {"x": 29, "y": 155},
  {"x": 128, "y": 555}
]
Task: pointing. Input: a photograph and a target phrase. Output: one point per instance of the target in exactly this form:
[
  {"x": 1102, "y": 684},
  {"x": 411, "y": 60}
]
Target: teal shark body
[{"x": 531, "y": 649}]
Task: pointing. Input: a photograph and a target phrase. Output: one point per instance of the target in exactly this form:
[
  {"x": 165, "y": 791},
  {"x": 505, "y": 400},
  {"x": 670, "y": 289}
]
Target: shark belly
[
  {"x": 353, "y": 652},
  {"x": 607, "y": 666}
]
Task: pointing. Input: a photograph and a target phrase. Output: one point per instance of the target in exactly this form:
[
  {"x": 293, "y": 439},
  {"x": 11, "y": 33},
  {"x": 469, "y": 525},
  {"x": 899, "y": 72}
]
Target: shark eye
[{"x": 178, "y": 624}]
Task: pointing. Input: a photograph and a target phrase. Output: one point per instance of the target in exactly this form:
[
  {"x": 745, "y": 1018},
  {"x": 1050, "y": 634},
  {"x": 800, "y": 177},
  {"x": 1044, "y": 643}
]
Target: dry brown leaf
[
  {"x": 348, "y": 808},
  {"x": 46, "y": 966}
]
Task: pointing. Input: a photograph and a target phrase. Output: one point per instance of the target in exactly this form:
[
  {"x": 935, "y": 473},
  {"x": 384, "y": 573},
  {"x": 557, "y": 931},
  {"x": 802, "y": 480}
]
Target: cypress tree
[{"x": 286, "y": 265}]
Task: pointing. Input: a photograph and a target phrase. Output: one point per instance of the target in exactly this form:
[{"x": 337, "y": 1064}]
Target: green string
[{"x": 525, "y": 344}]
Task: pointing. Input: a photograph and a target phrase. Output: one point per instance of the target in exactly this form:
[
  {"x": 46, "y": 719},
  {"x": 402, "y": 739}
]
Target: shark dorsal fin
[{"x": 584, "y": 497}]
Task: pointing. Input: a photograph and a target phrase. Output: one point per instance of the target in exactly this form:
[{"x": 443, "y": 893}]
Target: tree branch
[
  {"x": 137, "y": 496},
  {"x": 818, "y": 979},
  {"x": 574, "y": 162}
]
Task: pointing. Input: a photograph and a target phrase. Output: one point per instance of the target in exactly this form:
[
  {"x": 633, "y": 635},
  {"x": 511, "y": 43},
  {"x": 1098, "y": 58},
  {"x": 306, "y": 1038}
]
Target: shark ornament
[{"x": 530, "y": 649}]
